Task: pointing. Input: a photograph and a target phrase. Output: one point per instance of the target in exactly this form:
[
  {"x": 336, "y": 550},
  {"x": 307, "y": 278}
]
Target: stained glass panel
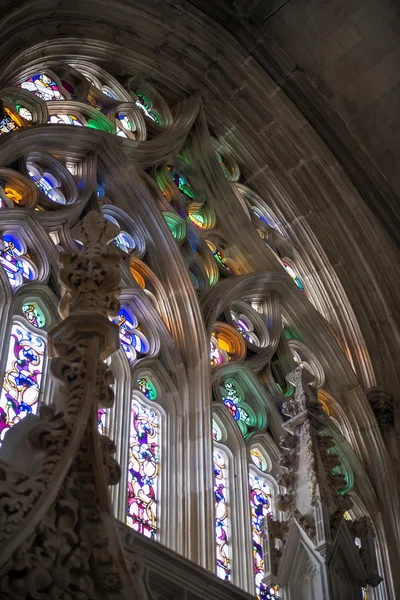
[
  {"x": 145, "y": 105},
  {"x": 143, "y": 470},
  {"x": 101, "y": 421},
  {"x": 293, "y": 275},
  {"x": 8, "y": 122},
  {"x": 222, "y": 524},
  {"x": 43, "y": 86},
  {"x": 33, "y": 314},
  {"x": 133, "y": 341},
  {"x": 21, "y": 384},
  {"x": 65, "y": 120},
  {"x": 13, "y": 259},
  {"x": 147, "y": 388},
  {"x": 260, "y": 506},
  {"x": 258, "y": 459}
]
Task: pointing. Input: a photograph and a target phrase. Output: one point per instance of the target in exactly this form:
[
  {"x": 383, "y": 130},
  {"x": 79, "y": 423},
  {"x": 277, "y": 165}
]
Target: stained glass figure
[
  {"x": 21, "y": 384},
  {"x": 147, "y": 388},
  {"x": 8, "y": 122},
  {"x": 260, "y": 506},
  {"x": 146, "y": 106},
  {"x": 34, "y": 314},
  {"x": 143, "y": 469},
  {"x": 133, "y": 341},
  {"x": 65, "y": 120},
  {"x": 222, "y": 524},
  {"x": 293, "y": 275},
  {"x": 15, "y": 260},
  {"x": 43, "y": 86}
]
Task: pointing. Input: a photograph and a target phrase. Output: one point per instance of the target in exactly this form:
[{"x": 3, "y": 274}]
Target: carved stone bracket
[{"x": 382, "y": 405}]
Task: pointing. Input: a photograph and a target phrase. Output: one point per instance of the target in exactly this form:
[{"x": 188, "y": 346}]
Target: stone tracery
[{"x": 195, "y": 261}]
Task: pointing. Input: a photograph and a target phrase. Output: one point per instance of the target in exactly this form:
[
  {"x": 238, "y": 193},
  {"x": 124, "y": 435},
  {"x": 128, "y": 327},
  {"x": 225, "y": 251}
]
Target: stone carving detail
[
  {"x": 59, "y": 538},
  {"x": 382, "y": 405}
]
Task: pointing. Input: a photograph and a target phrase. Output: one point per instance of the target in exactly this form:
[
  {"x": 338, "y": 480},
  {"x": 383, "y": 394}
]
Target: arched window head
[
  {"x": 47, "y": 182},
  {"x": 44, "y": 86},
  {"x": 290, "y": 270},
  {"x": 123, "y": 240},
  {"x": 23, "y": 376},
  {"x": 133, "y": 341},
  {"x": 143, "y": 469},
  {"x": 124, "y": 123},
  {"x": 17, "y": 263},
  {"x": 222, "y": 517}
]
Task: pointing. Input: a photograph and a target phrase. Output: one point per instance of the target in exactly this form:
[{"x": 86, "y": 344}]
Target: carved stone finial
[
  {"x": 304, "y": 397},
  {"x": 91, "y": 277}
]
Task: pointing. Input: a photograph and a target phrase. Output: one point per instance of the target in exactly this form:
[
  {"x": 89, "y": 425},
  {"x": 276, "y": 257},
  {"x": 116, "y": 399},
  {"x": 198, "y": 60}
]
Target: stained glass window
[
  {"x": 147, "y": 388},
  {"x": 123, "y": 240},
  {"x": 217, "y": 356},
  {"x": 101, "y": 421},
  {"x": 182, "y": 183},
  {"x": 15, "y": 260},
  {"x": 33, "y": 314},
  {"x": 216, "y": 431},
  {"x": 245, "y": 327},
  {"x": 145, "y": 105},
  {"x": 222, "y": 524},
  {"x": 21, "y": 384},
  {"x": 65, "y": 120},
  {"x": 43, "y": 86},
  {"x": 8, "y": 122},
  {"x": 258, "y": 459},
  {"x": 293, "y": 275},
  {"x": 126, "y": 123},
  {"x": 133, "y": 341},
  {"x": 47, "y": 183},
  {"x": 24, "y": 112},
  {"x": 260, "y": 506},
  {"x": 143, "y": 469}
]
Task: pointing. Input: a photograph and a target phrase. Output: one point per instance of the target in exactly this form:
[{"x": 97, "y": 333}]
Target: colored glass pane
[
  {"x": 13, "y": 194},
  {"x": 125, "y": 122},
  {"x": 8, "y": 122},
  {"x": 182, "y": 184},
  {"x": 223, "y": 166},
  {"x": 123, "y": 240},
  {"x": 245, "y": 328},
  {"x": 147, "y": 388},
  {"x": 43, "y": 86},
  {"x": 101, "y": 421},
  {"x": 143, "y": 469},
  {"x": 216, "y": 356},
  {"x": 293, "y": 275},
  {"x": 47, "y": 183},
  {"x": 22, "y": 379},
  {"x": 14, "y": 261},
  {"x": 364, "y": 593},
  {"x": 258, "y": 459},
  {"x": 216, "y": 431},
  {"x": 133, "y": 341},
  {"x": 24, "y": 112},
  {"x": 222, "y": 524},
  {"x": 33, "y": 314},
  {"x": 121, "y": 133},
  {"x": 260, "y": 506},
  {"x": 65, "y": 120},
  {"x": 145, "y": 105}
]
